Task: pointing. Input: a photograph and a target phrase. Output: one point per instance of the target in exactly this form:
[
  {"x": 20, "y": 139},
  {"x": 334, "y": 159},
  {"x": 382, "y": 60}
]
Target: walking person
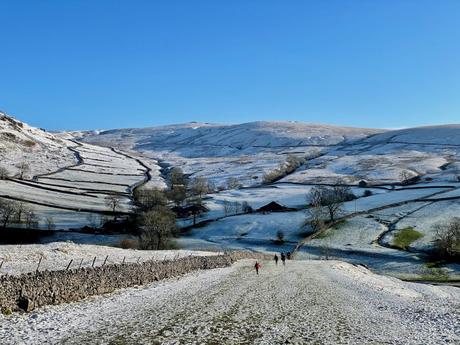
[
  {"x": 283, "y": 258},
  {"x": 257, "y": 267},
  {"x": 276, "y": 259}
]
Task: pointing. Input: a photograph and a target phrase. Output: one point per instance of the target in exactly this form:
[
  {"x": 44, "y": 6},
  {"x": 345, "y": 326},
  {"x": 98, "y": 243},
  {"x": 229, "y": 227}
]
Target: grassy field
[{"x": 405, "y": 237}]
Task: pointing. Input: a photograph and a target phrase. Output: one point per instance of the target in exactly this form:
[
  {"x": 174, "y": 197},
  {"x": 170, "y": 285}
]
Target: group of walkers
[{"x": 283, "y": 256}]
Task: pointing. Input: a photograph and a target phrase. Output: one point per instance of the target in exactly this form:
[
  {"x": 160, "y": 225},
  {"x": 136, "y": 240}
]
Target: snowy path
[{"x": 318, "y": 302}]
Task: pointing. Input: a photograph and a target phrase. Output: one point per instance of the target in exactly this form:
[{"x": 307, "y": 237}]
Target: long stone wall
[{"x": 33, "y": 290}]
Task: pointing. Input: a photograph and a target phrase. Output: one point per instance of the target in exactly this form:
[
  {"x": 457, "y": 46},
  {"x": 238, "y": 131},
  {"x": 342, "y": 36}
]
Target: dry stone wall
[{"x": 33, "y": 290}]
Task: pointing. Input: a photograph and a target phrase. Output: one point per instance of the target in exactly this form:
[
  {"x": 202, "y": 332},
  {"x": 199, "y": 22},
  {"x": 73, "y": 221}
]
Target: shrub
[
  {"x": 129, "y": 243},
  {"x": 291, "y": 164},
  {"x": 367, "y": 193},
  {"x": 280, "y": 235},
  {"x": 6, "y": 311},
  {"x": 28, "y": 143}
]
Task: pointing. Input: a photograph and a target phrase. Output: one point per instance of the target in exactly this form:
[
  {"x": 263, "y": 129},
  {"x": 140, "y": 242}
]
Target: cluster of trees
[
  {"x": 183, "y": 190},
  {"x": 291, "y": 164},
  {"x": 154, "y": 215},
  {"x": 326, "y": 203},
  {"x": 236, "y": 207},
  {"x": 18, "y": 213}
]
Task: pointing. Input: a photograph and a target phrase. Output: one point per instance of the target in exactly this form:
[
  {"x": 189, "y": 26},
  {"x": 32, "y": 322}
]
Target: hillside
[
  {"x": 429, "y": 135},
  {"x": 245, "y": 151},
  {"x": 65, "y": 182},
  {"x": 249, "y": 151},
  {"x": 42, "y": 151},
  {"x": 228, "y": 139}
]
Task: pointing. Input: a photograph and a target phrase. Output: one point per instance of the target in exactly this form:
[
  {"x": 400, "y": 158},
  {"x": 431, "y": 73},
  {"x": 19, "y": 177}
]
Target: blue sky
[{"x": 111, "y": 64}]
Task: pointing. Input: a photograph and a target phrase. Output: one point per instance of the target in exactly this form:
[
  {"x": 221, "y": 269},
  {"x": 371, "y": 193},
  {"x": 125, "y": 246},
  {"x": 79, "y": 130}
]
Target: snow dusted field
[
  {"x": 426, "y": 219},
  {"x": 19, "y": 259},
  {"x": 318, "y": 302},
  {"x": 69, "y": 193}
]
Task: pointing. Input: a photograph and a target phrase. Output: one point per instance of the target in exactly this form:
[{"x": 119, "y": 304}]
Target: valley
[{"x": 370, "y": 163}]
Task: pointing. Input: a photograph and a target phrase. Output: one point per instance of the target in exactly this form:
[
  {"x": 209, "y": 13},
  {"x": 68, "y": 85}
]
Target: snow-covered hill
[
  {"x": 430, "y": 135},
  {"x": 230, "y": 138},
  {"x": 20, "y": 143},
  {"x": 251, "y": 150},
  {"x": 245, "y": 151}
]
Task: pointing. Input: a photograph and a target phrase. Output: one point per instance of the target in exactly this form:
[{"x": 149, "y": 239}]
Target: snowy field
[
  {"x": 426, "y": 219},
  {"x": 19, "y": 259},
  {"x": 317, "y": 302},
  {"x": 70, "y": 192}
]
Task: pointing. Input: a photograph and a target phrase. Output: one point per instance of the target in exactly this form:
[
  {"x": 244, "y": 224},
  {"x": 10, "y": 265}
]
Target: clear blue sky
[{"x": 69, "y": 64}]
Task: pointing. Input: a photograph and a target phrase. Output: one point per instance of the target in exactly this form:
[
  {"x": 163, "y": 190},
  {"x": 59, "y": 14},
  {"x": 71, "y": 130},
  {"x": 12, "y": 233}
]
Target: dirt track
[{"x": 306, "y": 302}]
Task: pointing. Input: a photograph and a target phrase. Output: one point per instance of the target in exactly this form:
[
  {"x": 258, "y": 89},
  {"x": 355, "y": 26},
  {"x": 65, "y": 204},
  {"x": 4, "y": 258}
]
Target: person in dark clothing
[
  {"x": 257, "y": 267},
  {"x": 276, "y": 259},
  {"x": 283, "y": 258},
  {"x": 288, "y": 255}
]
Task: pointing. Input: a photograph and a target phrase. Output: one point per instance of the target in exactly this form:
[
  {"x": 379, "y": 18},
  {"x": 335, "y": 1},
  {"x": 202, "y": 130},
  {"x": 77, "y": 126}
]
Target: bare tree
[
  {"x": 447, "y": 237},
  {"x": 158, "y": 226},
  {"x": 329, "y": 200},
  {"x": 233, "y": 183},
  {"x": 236, "y": 206},
  {"x": 316, "y": 215},
  {"x": 49, "y": 223},
  {"x": 199, "y": 186},
  {"x": 20, "y": 209},
  {"x": 113, "y": 202},
  {"x": 30, "y": 219},
  {"x": 4, "y": 174},
  {"x": 23, "y": 169},
  {"x": 8, "y": 209},
  {"x": 227, "y": 207}
]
